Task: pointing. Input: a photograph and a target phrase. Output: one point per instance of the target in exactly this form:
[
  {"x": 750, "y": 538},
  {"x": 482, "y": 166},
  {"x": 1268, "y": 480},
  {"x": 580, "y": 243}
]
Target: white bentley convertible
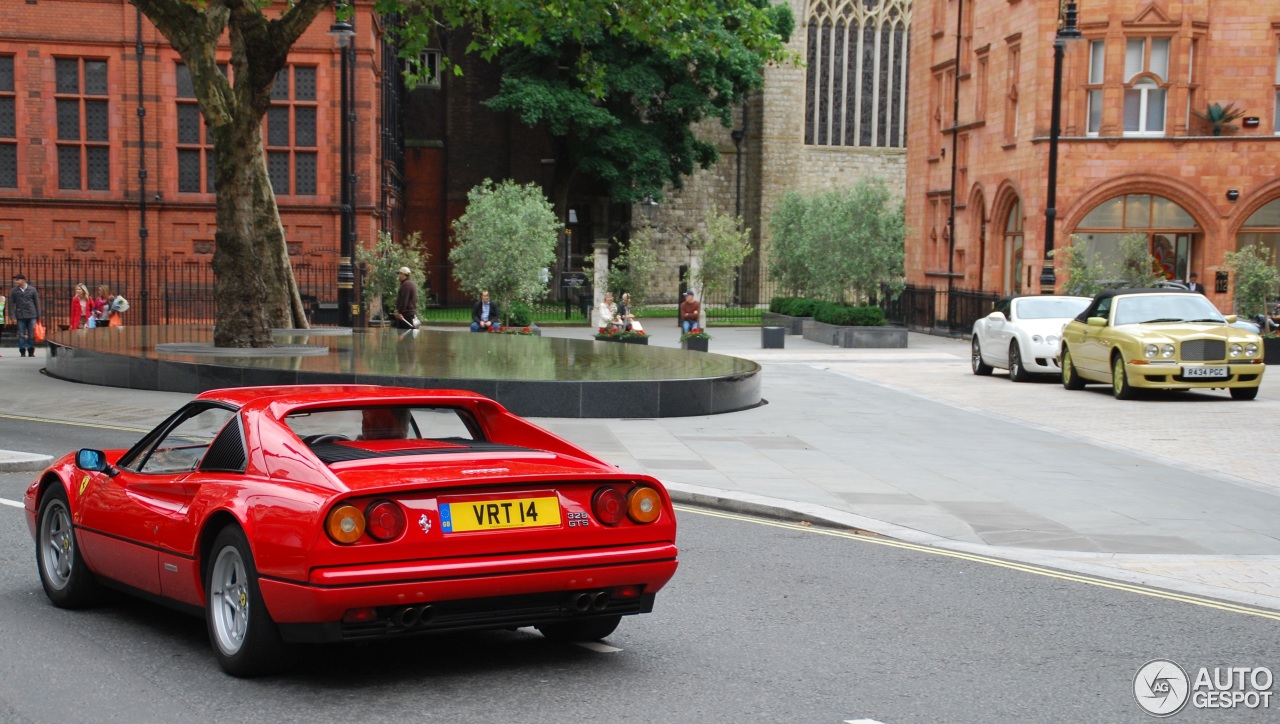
[{"x": 1021, "y": 335}]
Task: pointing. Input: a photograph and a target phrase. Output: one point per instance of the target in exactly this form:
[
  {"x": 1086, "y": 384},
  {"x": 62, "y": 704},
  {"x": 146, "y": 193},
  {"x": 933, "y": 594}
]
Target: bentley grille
[{"x": 1204, "y": 350}]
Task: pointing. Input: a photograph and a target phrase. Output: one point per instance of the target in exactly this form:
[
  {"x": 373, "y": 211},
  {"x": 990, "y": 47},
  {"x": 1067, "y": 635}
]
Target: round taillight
[
  {"x": 644, "y": 505},
  {"x": 346, "y": 524},
  {"x": 384, "y": 520},
  {"x": 609, "y": 506}
]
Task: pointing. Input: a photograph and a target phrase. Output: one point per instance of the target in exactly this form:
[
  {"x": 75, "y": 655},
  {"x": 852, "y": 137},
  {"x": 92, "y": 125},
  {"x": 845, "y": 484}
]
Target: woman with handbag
[
  {"x": 81, "y": 308},
  {"x": 100, "y": 303}
]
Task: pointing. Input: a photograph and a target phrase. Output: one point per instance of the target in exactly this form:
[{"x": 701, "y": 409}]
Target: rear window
[{"x": 384, "y": 423}]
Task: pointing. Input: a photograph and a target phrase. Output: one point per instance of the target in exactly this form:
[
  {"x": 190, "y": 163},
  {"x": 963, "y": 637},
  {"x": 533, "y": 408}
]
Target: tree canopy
[
  {"x": 254, "y": 288},
  {"x": 627, "y": 118}
]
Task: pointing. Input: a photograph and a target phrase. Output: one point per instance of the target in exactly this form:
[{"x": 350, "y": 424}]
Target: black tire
[
  {"x": 979, "y": 367},
  {"x": 1120, "y": 386},
  {"x": 1070, "y": 377},
  {"x": 244, "y": 638},
  {"x": 66, "y": 578},
  {"x": 1244, "y": 393},
  {"x": 586, "y": 629},
  {"x": 1017, "y": 373}
]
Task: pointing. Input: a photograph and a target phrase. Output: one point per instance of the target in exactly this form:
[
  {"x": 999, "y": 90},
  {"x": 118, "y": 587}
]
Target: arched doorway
[
  {"x": 1012, "y": 283},
  {"x": 1263, "y": 229},
  {"x": 1172, "y": 234}
]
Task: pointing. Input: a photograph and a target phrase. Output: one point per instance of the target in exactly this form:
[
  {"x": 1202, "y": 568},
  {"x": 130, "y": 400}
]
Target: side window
[
  {"x": 1104, "y": 308},
  {"x": 1005, "y": 307},
  {"x": 181, "y": 448}
]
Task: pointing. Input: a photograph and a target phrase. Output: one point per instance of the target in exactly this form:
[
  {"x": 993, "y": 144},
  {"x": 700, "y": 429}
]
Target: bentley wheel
[
  {"x": 245, "y": 639},
  {"x": 1070, "y": 378},
  {"x": 587, "y": 629},
  {"x": 979, "y": 367},
  {"x": 67, "y": 581},
  {"x": 1120, "y": 381},
  {"x": 1244, "y": 393},
  {"x": 1017, "y": 373}
]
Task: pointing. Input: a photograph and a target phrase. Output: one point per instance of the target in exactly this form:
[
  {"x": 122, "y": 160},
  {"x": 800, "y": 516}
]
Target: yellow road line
[
  {"x": 1012, "y": 565},
  {"x": 50, "y": 421}
]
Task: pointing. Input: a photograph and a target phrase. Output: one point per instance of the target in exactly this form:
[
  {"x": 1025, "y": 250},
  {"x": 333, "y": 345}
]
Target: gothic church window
[{"x": 856, "y": 91}]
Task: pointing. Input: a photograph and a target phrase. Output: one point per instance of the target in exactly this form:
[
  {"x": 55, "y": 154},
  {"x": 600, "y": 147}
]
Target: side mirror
[
  {"x": 94, "y": 461},
  {"x": 996, "y": 316},
  {"x": 1097, "y": 321},
  {"x": 1233, "y": 318}
]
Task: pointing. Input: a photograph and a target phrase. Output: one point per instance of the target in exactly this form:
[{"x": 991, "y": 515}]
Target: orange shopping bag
[{"x": 38, "y": 330}]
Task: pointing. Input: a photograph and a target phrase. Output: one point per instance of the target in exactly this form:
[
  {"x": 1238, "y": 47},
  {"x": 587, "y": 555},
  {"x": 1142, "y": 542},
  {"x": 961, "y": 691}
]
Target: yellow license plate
[{"x": 499, "y": 514}]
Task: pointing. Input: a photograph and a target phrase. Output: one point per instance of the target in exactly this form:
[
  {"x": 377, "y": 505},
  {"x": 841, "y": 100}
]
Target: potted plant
[
  {"x": 695, "y": 340},
  {"x": 1219, "y": 117},
  {"x": 616, "y": 335}
]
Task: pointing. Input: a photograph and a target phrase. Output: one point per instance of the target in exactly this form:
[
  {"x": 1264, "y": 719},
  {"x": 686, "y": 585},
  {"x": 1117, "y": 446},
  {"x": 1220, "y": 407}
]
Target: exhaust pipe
[
  {"x": 600, "y": 601},
  {"x": 425, "y": 614},
  {"x": 407, "y": 617},
  {"x": 582, "y": 602}
]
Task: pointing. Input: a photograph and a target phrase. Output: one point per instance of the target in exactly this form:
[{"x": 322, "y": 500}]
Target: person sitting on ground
[
  {"x": 690, "y": 311},
  {"x": 608, "y": 313},
  {"x": 625, "y": 316},
  {"x": 484, "y": 315},
  {"x": 384, "y": 423}
]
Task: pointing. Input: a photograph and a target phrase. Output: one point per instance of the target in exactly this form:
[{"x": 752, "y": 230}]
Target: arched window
[
  {"x": 856, "y": 91},
  {"x": 1263, "y": 229},
  {"x": 1171, "y": 232},
  {"x": 1013, "y": 249}
]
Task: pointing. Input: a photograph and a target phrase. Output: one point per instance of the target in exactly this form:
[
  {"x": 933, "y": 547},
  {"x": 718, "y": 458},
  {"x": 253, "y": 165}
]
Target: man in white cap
[{"x": 406, "y": 301}]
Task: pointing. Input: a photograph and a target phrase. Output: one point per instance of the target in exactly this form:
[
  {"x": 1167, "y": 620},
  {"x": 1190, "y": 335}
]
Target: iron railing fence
[
  {"x": 174, "y": 292},
  {"x": 930, "y": 309}
]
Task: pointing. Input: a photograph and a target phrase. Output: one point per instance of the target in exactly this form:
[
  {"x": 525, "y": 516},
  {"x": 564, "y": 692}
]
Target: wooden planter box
[
  {"x": 1271, "y": 350},
  {"x": 855, "y": 337},
  {"x": 793, "y": 325},
  {"x": 695, "y": 345}
]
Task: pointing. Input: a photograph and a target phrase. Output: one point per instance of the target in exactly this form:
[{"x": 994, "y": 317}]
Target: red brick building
[
  {"x": 1133, "y": 157},
  {"x": 103, "y": 152}
]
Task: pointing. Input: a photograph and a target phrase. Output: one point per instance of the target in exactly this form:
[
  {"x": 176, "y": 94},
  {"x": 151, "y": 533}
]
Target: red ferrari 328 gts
[{"x": 349, "y": 512}]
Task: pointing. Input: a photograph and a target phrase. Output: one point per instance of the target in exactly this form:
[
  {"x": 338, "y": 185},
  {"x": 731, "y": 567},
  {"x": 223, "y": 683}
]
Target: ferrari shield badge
[
  {"x": 425, "y": 522},
  {"x": 84, "y": 483}
]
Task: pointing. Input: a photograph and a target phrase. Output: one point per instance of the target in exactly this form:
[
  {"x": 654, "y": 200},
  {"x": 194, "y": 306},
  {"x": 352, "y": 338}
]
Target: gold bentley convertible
[{"x": 1159, "y": 339}]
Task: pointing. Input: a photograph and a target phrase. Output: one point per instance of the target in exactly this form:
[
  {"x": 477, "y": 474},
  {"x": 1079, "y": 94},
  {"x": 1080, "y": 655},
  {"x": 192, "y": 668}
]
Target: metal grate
[
  {"x": 278, "y": 126},
  {"x": 188, "y": 123},
  {"x": 68, "y": 167},
  {"x": 189, "y": 171},
  {"x": 99, "y": 168},
  {"x": 95, "y": 77},
  {"x": 305, "y": 174},
  {"x": 304, "y": 126},
  {"x": 186, "y": 89},
  {"x": 280, "y": 89},
  {"x": 68, "y": 120},
  {"x": 96, "y": 126},
  {"x": 8, "y": 118},
  {"x": 278, "y": 171},
  {"x": 304, "y": 83},
  {"x": 1204, "y": 350},
  {"x": 6, "y": 73},
  {"x": 8, "y": 166},
  {"x": 226, "y": 453},
  {"x": 67, "y": 71}
]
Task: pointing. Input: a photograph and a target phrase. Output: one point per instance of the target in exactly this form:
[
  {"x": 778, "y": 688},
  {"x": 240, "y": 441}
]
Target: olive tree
[
  {"x": 723, "y": 245},
  {"x": 841, "y": 245},
  {"x": 505, "y": 242},
  {"x": 1256, "y": 279},
  {"x": 634, "y": 270}
]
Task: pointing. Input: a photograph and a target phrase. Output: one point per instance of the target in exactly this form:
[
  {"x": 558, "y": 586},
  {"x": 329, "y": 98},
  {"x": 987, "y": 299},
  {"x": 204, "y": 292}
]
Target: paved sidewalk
[{"x": 1179, "y": 492}]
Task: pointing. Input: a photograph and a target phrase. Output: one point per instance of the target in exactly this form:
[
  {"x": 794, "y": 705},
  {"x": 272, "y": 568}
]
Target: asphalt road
[{"x": 763, "y": 622}]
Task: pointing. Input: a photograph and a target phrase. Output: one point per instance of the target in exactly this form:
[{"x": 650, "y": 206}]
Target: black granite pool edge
[{"x": 528, "y": 398}]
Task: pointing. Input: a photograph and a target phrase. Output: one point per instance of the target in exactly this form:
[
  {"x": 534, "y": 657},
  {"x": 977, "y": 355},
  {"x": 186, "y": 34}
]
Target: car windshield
[
  {"x": 1050, "y": 307},
  {"x": 382, "y": 423},
  {"x": 1165, "y": 308}
]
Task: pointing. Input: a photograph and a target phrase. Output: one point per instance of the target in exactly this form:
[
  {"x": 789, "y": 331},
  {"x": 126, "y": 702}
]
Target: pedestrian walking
[
  {"x": 81, "y": 307},
  {"x": 24, "y": 302},
  {"x": 406, "y": 301}
]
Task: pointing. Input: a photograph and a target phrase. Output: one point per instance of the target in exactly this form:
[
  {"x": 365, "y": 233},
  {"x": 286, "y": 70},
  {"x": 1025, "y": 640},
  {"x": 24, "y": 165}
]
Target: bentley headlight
[
  {"x": 1237, "y": 349},
  {"x": 1037, "y": 338},
  {"x": 1152, "y": 351},
  {"x": 1052, "y": 339},
  {"x": 1251, "y": 350},
  {"x": 1167, "y": 351}
]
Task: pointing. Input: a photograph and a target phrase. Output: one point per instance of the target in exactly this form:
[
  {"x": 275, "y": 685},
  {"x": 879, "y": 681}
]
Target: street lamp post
[
  {"x": 343, "y": 33},
  {"x": 1067, "y": 31}
]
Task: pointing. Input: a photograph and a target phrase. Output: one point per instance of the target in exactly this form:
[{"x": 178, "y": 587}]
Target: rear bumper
[{"x": 468, "y": 593}]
